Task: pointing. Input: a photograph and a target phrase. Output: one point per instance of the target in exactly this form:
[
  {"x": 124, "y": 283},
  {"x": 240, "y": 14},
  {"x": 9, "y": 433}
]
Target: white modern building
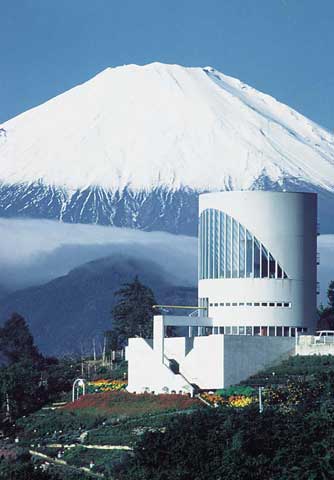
[
  {"x": 257, "y": 290},
  {"x": 257, "y": 261}
]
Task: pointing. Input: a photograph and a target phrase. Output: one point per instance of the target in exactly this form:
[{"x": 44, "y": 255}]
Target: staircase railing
[{"x": 167, "y": 362}]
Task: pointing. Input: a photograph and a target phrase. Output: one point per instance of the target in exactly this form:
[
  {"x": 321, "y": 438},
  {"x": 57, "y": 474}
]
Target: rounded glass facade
[{"x": 228, "y": 250}]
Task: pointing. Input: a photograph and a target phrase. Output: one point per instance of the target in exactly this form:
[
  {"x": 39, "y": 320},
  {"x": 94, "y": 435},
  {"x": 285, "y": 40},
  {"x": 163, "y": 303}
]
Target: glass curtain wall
[{"x": 228, "y": 250}]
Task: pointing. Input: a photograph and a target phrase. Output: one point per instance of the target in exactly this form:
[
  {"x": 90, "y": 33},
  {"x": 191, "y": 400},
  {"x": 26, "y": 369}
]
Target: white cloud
[{"x": 35, "y": 251}]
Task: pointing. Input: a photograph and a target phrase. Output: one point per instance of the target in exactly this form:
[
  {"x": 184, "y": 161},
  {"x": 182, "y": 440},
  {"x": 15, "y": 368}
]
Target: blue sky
[{"x": 282, "y": 47}]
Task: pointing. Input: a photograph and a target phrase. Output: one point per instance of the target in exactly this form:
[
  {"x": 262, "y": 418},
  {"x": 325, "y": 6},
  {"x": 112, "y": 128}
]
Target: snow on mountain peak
[{"x": 143, "y": 127}]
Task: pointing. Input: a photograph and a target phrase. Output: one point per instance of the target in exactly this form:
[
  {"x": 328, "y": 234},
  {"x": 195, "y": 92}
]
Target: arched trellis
[{"x": 77, "y": 385}]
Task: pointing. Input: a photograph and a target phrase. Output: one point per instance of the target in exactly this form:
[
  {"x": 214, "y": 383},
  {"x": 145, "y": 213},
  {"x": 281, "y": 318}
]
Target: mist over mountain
[
  {"x": 65, "y": 314},
  {"x": 34, "y": 251},
  {"x": 71, "y": 297},
  {"x": 135, "y": 145}
]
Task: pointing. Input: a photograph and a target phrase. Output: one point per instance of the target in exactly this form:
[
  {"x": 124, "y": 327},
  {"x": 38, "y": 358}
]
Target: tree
[
  {"x": 17, "y": 464},
  {"x": 330, "y": 294},
  {"x": 110, "y": 339},
  {"x": 133, "y": 313},
  {"x": 22, "y": 389},
  {"x": 16, "y": 341},
  {"x": 326, "y": 320}
]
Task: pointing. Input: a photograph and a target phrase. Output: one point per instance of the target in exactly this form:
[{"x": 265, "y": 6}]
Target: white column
[{"x": 158, "y": 336}]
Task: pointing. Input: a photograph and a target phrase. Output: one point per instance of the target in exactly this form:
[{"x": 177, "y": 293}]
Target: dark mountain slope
[{"x": 66, "y": 313}]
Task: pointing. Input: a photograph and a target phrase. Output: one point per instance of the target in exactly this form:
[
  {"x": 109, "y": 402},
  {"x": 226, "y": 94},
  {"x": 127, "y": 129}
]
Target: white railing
[
  {"x": 168, "y": 362},
  {"x": 323, "y": 339}
]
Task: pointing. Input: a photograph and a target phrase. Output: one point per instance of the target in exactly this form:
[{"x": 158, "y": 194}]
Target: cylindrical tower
[{"x": 257, "y": 261}]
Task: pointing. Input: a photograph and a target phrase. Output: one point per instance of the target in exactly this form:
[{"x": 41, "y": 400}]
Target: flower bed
[
  {"x": 129, "y": 404},
  {"x": 236, "y": 401},
  {"x": 103, "y": 385}
]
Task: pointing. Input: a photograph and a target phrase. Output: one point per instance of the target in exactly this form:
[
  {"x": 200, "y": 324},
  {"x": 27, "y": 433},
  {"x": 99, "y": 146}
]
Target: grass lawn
[
  {"x": 109, "y": 418},
  {"x": 294, "y": 368}
]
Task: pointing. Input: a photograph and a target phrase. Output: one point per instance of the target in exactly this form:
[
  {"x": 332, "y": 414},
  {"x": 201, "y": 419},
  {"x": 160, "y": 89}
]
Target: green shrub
[{"x": 244, "y": 390}]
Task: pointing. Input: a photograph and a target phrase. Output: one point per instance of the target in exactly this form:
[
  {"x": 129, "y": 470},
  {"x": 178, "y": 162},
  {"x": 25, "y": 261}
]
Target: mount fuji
[{"x": 135, "y": 145}]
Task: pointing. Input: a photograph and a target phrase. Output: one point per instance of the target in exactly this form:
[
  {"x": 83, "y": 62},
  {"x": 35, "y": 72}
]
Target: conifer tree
[
  {"x": 16, "y": 341},
  {"x": 330, "y": 294},
  {"x": 133, "y": 314}
]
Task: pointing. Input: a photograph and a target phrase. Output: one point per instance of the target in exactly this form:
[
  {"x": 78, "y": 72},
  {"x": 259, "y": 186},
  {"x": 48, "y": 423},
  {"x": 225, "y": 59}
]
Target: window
[
  {"x": 241, "y": 330},
  {"x": 221, "y": 243},
  {"x": 279, "y": 272},
  {"x": 256, "y": 330},
  {"x": 221, "y": 330},
  {"x": 249, "y": 255},
  {"x": 242, "y": 248},
  {"x": 278, "y": 331},
  {"x": 248, "y": 330},
  {"x": 215, "y": 248},
  {"x": 272, "y": 266},
  {"x": 235, "y": 249},
  {"x": 228, "y": 330},
  {"x": 250, "y": 304},
  {"x": 271, "y": 331},
  {"x": 264, "y": 262},
  {"x": 211, "y": 244},
  {"x": 256, "y": 258},
  {"x": 228, "y": 250},
  {"x": 286, "y": 331},
  {"x": 234, "y": 330},
  {"x": 203, "y": 302},
  {"x": 264, "y": 331},
  {"x": 228, "y": 246}
]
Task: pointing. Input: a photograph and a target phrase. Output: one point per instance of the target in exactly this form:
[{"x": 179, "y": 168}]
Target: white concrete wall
[
  {"x": 306, "y": 345},
  {"x": 175, "y": 347},
  {"x": 204, "y": 363},
  {"x": 246, "y": 355},
  {"x": 286, "y": 224},
  {"x": 146, "y": 372},
  {"x": 213, "y": 362}
]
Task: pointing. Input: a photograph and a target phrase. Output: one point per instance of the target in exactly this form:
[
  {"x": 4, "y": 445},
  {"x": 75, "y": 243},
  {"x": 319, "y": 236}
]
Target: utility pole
[
  {"x": 104, "y": 350},
  {"x": 94, "y": 354},
  {"x": 94, "y": 350},
  {"x": 8, "y": 407},
  {"x": 260, "y": 400}
]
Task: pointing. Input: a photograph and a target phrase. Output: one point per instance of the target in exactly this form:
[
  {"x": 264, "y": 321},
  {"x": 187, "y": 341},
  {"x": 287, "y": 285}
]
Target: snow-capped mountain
[{"x": 135, "y": 145}]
